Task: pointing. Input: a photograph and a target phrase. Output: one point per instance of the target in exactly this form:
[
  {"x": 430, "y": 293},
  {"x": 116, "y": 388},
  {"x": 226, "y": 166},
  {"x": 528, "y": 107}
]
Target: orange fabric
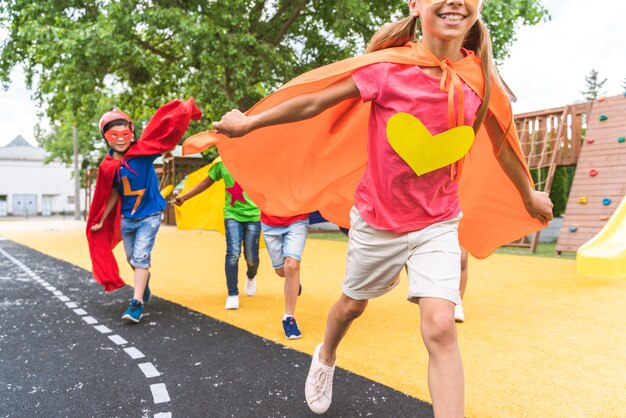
[{"x": 316, "y": 164}]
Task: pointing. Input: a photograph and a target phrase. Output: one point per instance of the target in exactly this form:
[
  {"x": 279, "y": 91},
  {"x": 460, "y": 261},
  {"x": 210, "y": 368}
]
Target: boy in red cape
[{"x": 127, "y": 200}]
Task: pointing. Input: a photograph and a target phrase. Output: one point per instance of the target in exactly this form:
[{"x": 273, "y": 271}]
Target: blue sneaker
[
  {"x": 147, "y": 294},
  {"x": 134, "y": 312},
  {"x": 292, "y": 332}
]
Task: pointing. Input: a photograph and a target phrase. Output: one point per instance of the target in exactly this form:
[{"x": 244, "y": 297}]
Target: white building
[{"x": 30, "y": 187}]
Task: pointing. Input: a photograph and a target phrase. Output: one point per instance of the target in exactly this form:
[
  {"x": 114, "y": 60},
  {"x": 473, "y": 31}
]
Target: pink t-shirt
[{"x": 390, "y": 196}]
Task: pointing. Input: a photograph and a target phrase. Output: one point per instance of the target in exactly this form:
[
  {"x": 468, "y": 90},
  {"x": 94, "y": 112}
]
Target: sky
[{"x": 547, "y": 65}]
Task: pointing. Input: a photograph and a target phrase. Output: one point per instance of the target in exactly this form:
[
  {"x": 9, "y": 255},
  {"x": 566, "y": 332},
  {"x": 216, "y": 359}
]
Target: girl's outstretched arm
[
  {"x": 236, "y": 123},
  {"x": 538, "y": 204}
]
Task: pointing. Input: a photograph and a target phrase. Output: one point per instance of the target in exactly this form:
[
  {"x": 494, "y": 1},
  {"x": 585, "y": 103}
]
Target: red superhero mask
[{"x": 117, "y": 132}]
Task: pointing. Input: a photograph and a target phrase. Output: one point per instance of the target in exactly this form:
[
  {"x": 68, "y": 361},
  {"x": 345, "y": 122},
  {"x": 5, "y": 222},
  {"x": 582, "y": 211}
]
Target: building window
[{"x": 70, "y": 200}]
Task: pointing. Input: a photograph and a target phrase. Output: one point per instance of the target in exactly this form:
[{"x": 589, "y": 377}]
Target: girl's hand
[
  {"x": 539, "y": 206},
  {"x": 233, "y": 124},
  {"x": 97, "y": 226}
]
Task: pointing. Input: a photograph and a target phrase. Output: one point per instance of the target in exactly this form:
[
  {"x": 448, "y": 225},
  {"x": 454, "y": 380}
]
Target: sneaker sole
[
  {"x": 131, "y": 319},
  {"x": 293, "y": 337}
]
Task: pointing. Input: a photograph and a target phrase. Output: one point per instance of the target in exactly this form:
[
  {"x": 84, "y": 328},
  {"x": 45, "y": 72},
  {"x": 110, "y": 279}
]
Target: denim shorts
[
  {"x": 138, "y": 236},
  {"x": 285, "y": 241}
]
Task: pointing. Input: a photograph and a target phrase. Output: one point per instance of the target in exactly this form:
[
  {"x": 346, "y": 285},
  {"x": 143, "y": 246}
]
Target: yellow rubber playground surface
[{"x": 538, "y": 341}]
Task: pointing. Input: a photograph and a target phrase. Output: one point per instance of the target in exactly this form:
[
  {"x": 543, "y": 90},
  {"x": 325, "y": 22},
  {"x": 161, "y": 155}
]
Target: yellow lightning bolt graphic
[{"x": 130, "y": 192}]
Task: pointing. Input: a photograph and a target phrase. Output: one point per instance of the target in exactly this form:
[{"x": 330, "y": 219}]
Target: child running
[
  {"x": 285, "y": 238},
  {"x": 127, "y": 175},
  {"x": 242, "y": 226},
  {"x": 406, "y": 211}
]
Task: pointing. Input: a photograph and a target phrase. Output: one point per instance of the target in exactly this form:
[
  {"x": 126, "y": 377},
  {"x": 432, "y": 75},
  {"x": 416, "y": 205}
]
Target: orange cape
[{"x": 316, "y": 164}]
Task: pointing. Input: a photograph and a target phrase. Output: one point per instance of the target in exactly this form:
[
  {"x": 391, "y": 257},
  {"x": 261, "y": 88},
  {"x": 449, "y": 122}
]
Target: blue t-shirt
[{"x": 139, "y": 188}]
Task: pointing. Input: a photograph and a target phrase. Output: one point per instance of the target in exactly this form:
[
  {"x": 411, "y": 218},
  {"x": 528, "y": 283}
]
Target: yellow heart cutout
[{"x": 422, "y": 151}]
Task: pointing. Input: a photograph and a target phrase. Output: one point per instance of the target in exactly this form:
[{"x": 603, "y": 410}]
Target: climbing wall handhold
[
  {"x": 582, "y": 199},
  {"x": 601, "y": 98},
  {"x": 603, "y": 117},
  {"x": 621, "y": 139},
  {"x": 591, "y": 141},
  {"x": 593, "y": 172},
  {"x": 606, "y": 201},
  {"x": 604, "y": 218},
  {"x": 572, "y": 229}
]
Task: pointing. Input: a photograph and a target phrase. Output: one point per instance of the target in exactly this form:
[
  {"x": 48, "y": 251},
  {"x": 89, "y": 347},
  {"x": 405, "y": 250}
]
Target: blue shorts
[
  {"x": 138, "y": 236},
  {"x": 285, "y": 241}
]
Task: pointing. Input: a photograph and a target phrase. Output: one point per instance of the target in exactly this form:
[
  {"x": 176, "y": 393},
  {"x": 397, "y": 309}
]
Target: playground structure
[
  {"x": 600, "y": 179},
  {"x": 605, "y": 254},
  {"x": 550, "y": 138}
]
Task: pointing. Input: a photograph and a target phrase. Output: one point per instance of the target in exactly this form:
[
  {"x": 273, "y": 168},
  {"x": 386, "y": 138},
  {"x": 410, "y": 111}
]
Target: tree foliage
[
  {"x": 83, "y": 57},
  {"x": 593, "y": 85}
]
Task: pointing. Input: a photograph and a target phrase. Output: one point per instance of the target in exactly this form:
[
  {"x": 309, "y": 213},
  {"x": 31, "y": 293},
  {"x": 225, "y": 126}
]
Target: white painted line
[
  {"x": 57, "y": 293},
  {"x": 149, "y": 370},
  {"x": 117, "y": 339},
  {"x": 71, "y": 305},
  {"x": 51, "y": 288},
  {"x": 163, "y": 415},
  {"x": 44, "y": 283},
  {"x": 159, "y": 393},
  {"x": 134, "y": 353},
  {"x": 63, "y": 298},
  {"x": 80, "y": 311},
  {"x": 90, "y": 320},
  {"x": 103, "y": 329}
]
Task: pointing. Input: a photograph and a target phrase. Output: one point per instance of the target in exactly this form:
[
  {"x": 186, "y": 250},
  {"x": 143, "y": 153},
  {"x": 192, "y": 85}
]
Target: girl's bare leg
[
  {"x": 340, "y": 317},
  {"x": 445, "y": 368}
]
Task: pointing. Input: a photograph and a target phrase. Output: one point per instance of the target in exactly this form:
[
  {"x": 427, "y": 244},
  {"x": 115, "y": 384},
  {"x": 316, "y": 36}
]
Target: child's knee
[
  {"x": 438, "y": 328},
  {"x": 291, "y": 267},
  {"x": 352, "y": 308}
]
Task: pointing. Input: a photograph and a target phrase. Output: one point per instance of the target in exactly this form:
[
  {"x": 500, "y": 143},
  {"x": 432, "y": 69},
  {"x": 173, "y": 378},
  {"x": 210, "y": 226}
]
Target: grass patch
[
  {"x": 544, "y": 249},
  {"x": 329, "y": 236}
]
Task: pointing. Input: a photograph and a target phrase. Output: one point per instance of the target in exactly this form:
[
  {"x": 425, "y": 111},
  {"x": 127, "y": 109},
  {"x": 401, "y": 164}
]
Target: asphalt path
[{"x": 65, "y": 352}]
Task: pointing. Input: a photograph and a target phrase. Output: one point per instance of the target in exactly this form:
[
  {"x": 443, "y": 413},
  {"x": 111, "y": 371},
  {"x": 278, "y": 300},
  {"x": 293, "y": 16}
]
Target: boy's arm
[
  {"x": 197, "y": 189},
  {"x": 113, "y": 198},
  {"x": 538, "y": 204},
  {"x": 236, "y": 123}
]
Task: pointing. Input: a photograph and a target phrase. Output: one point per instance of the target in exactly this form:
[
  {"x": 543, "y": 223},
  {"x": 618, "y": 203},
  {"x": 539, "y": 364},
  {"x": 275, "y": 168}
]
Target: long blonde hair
[{"x": 477, "y": 39}]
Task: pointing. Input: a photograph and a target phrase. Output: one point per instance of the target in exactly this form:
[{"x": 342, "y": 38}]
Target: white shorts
[{"x": 432, "y": 257}]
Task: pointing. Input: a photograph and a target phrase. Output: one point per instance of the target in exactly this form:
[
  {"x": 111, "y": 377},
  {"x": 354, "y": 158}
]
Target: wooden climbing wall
[{"x": 600, "y": 176}]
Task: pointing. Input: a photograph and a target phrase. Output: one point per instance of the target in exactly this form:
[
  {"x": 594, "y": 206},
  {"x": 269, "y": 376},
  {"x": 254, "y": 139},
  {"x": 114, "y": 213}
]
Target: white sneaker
[
  {"x": 251, "y": 286},
  {"x": 318, "y": 388},
  {"x": 232, "y": 302},
  {"x": 459, "y": 314}
]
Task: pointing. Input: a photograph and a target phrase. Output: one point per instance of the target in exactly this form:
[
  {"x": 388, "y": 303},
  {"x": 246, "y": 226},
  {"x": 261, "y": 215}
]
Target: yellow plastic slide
[{"x": 605, "y": 254}]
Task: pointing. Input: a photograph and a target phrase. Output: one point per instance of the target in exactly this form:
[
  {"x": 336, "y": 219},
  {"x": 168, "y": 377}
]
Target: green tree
[
  {"x": 593, "y": 85},
  {"x": 83, "y": 57}
]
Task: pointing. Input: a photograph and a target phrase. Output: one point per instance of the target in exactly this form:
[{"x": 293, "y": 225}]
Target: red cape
[
  {"x": 163, "y": 132},
  {"x": 316, "y": 164}
]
